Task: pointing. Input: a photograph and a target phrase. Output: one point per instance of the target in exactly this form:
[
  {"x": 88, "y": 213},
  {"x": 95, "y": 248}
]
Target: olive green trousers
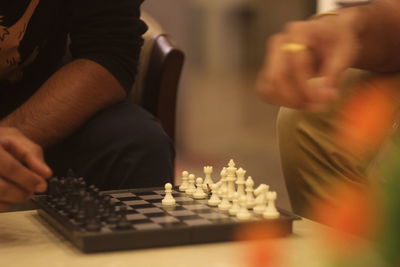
[{"x": 312, "y": 162}]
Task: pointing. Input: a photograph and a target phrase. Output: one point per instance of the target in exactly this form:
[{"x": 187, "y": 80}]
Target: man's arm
[
  {"x": 105, "y": 45},
  {"x": 70, "y": 97},
  {"x": 364, "y": 36}
]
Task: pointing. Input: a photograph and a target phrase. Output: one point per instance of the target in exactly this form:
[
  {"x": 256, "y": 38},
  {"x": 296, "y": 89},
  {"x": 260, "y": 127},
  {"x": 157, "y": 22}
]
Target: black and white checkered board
[{"x": 153, "y": 225}]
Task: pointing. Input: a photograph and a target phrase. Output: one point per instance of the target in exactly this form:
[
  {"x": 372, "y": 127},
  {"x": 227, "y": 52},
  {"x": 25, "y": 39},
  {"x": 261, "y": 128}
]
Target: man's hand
[
  {"x": 330, "y": 45},
  {"x": 22, "y": 168}
]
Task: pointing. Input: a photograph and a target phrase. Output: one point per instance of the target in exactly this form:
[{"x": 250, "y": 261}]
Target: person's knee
[{"x": 130, "y": 128}]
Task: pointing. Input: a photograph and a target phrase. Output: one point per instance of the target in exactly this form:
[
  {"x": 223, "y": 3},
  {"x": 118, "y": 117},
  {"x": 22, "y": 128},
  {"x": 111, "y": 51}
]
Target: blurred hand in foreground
[
  {"x": 23, "y": 171},
  {"x": 320, "y": 47}
]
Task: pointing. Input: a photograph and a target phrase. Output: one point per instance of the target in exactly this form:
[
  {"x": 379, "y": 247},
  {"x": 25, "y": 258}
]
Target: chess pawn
[
  {"x": 243, "y": 213},
  {"x": 270, "y": 211},
  {"x": 207, "y": 178},
  {"x": 231, "y": 178},
  {"x": 235, "y": 204},
  {"x": 214, "y": 199},
  {"x": 261, "y": 200},
  {"x": 185, "y": 183},
  {"x": 168, "y": 200},
  {"x": 225, "y": 204},
  {"x": 240, "y": 181},
  {"x": 199, "y": 193},
  {"x": 191, "y": 187},
  {"x": 223, "y": 185},
  {"x": 249, "y": 193}
]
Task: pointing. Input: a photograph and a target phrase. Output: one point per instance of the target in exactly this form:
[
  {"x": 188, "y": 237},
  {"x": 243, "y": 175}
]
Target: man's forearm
[
  {"x": 377, "y": 26},
  {"x": 69, "y": 98}
]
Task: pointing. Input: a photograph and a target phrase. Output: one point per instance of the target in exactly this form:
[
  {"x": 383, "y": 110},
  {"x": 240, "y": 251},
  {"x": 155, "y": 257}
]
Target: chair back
[{"x": 159, "y": 72}]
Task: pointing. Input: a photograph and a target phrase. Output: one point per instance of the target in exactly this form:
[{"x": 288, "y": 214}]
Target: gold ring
[{"x": 293, "y": 47}]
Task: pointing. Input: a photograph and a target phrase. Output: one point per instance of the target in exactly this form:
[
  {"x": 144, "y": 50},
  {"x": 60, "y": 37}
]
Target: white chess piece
[
  {"x": 225, "y": 204},
  {"x": 223, "y": 185},
  {"x": 191, "y": 187},
  {"x": 243, "y": 213},
  {"x": 214, "y": 199},
  {"x": 270, "y": 211},
  {"x": 249, "y": 193},
  {"x": 207, "y": 177},
  {"x": 235, "y": 204},
  {"x": 261, "y": 198},
  {"x": 185, "y": 183},
  {"x": 218, "y": 185},
  {"x": 231, "y": 178},
  {"x": 199, "y": 193},
  {"x": 168, "y": 200},
  {"x": 240, "y": 181}
]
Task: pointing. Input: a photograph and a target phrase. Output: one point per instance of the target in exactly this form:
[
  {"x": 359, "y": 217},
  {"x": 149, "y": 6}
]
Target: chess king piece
[
  {"x": 214, "y": 199},
  {"x": 270, "y": 211},
  {"x": 199, "y": 193},
  {"x": 235, "y": 204},
  {"x": 225, "y": 204},
  {"x": 207, "y": 177},
  {"x": 240, "y": 181},
  {"x": 261, "y": 198},
  {"x": 231, "y": 178},
  {"x": 249, "y": 193},
  {"x": 243, "y": 213},
  {"x": 168, "y": 200},
  {"x": 185, "y": 183},
  {"x": 223, "y": 185},
  {"x": 191, "y": 187}
]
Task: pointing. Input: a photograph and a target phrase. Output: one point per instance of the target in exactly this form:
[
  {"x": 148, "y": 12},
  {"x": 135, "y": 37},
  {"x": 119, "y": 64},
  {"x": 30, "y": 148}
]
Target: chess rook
[{"x": 207, "y": 177}]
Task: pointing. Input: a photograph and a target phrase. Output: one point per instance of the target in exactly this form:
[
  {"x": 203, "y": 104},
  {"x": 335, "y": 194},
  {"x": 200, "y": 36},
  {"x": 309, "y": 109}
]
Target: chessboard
[{"x": 96, "y": 221}]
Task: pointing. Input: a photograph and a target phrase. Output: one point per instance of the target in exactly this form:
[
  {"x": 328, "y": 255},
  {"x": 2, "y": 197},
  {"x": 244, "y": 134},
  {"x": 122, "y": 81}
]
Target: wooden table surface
[{"x": 25, "y": 240}]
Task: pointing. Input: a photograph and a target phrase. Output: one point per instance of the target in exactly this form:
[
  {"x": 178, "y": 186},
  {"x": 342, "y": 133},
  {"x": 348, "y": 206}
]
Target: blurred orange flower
[
  {"x": 367, "y": 117},
  {"x": 263, "y": 251},
  {"x": 353, "y": 214}
]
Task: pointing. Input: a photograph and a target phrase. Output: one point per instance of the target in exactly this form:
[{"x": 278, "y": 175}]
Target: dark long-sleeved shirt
[{"x": 34, "y": 35}]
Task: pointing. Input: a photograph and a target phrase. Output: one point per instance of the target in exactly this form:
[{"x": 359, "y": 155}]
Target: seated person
[
  {"x": 75, "y": 110},
  {"x": 363, "y": 37}
]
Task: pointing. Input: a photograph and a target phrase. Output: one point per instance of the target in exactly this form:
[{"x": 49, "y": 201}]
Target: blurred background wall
[{"x": 219, "y": 115}]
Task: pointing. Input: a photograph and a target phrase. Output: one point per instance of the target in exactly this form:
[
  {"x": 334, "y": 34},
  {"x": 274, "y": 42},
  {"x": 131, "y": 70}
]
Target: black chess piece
[
  {"x": 52, "y": 191},
  {"x": 113, "y": 216},
  {"x": 92, "y": 223},
  {"x": 123, "y": 223},
  {"x": 61, "y": 200},
  {"x": 80, "y": 216},
  {"x": 70, "y": 173}
]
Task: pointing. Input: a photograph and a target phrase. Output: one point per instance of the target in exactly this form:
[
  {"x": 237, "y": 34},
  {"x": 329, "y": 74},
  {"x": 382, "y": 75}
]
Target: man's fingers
[
  {"x": 29, "y": 153},
  {"x": 302, "y": 71},
  {"x": 19, "y": 174},
  {"x": 337, "y": 62},
  {"x": 11, "y": 193}
]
